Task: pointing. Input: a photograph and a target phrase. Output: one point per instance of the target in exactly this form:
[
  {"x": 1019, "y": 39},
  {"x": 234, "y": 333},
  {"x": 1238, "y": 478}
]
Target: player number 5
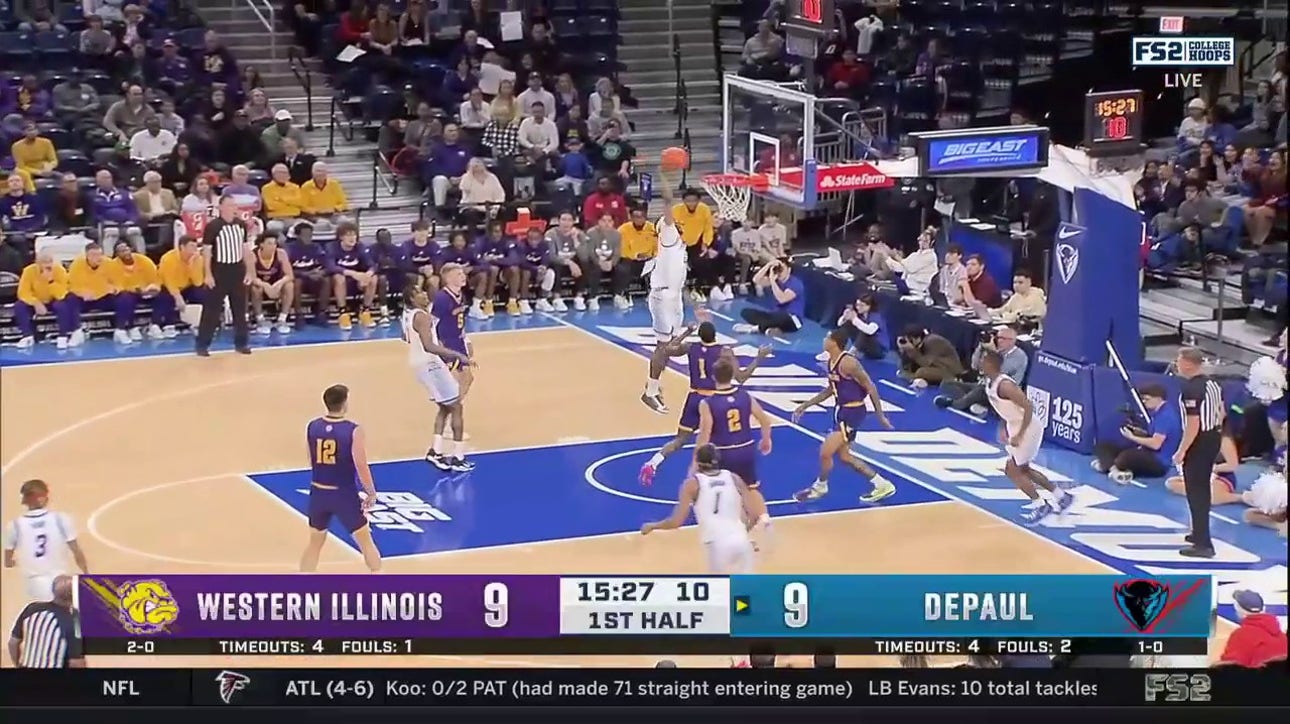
[
  {"x": 496, "y": 605},
  {"x": 796, "y": 605}
]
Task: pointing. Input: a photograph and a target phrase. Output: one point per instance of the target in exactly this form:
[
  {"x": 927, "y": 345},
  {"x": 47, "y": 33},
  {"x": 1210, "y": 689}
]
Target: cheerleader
[
  {"x": 1222, "y": 482},
  {"x": 1267, "y": 496},
  {"x": 1267, "y": 382}
]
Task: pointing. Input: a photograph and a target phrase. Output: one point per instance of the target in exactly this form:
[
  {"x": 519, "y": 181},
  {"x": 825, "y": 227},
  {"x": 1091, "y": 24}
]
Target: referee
[
  {"x": 47, "y": 634},
  {"x": 1202, "y": 409},
  {"x": 230, "y": 266}
]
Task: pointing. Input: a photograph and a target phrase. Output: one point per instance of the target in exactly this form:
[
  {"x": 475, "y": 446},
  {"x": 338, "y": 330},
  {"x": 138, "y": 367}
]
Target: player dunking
[
  {"x": 850, "y": 386},
  {"x": 39, "y": 537},
  {"x": 430, "y": 361},
  {"x": 720, "y": 500},
  {"x": 338, "y": 458},
  {"x": 667, "y": 272},
  {"x": 1022, "y": 438},
  {"x": 702, "y": 358}
]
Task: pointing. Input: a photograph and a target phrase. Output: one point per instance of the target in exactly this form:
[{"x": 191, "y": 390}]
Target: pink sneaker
[{"x": 647, "y": 475}]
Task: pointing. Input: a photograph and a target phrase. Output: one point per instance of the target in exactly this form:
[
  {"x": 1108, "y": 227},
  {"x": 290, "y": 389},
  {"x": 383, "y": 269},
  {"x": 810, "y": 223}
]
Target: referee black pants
[
  {"x": 229, "y": 283},
  {"x": 1197, "y": 469}
]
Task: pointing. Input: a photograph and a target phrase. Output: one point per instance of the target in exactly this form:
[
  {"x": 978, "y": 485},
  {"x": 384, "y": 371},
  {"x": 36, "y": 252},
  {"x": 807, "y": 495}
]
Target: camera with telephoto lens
[
  {"x": 1133, "y": 421},
  {"x": 986, "y": 336}
]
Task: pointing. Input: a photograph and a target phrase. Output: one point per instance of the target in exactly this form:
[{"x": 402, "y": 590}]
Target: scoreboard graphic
[{"x": 540, "y": 615}]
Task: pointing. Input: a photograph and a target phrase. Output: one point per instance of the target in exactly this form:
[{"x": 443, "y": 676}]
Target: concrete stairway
[
  {"x": 651, "y": 74},
  {"x": 252, "y": 44}
]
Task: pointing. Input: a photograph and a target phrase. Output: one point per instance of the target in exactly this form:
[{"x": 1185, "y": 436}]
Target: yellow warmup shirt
[
  {"x": 36, "y": 156},
  {"x": 637, "y": 242},
  {"x": 89, "y": 283},
  {"x": 178, "y": 275},
  {"x": 135, "y": 277},
  {"x": 285, "y": 201},
  {"x": 34, "y": 288},
  {"x": 695, "y": 225},
  {"x": 326, "y": 200}
]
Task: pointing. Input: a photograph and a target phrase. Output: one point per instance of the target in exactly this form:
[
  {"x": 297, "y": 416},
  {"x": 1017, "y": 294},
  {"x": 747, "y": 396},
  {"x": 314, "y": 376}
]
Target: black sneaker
[
  {"x": 1195, "y": 551},
  {"x": 203, "y": 352},
  {"x": 1273, "y": 341},
  {"x": 460, "y": 465},
  {"x": 654, "y": 403},
  {"x": 942, "y": 401},
  {"x": 1190, "y": 538},
  {"x": 437, "y": 460},
  {"x": 243, "y": 350}
]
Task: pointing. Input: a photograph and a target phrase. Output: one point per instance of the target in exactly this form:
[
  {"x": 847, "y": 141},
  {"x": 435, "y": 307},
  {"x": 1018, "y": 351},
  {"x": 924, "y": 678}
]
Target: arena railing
[
  {"x": 263, "y": 10},
  {"x": 681, "y": 106},
  {"x": 300, "y": 69}
]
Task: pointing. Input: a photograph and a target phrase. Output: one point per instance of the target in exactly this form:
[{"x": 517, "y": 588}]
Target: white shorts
[
  {"x": 41, "y": 588},
  {"x": 729, "y": 555},
  {"x": 439, "y": 383},
  {"x": 1025, "y": 453},
  {"x": 667, "y": 311}
]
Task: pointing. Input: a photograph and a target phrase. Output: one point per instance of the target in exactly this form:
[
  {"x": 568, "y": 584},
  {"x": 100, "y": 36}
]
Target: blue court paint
[{"x": 559, "y": 492}]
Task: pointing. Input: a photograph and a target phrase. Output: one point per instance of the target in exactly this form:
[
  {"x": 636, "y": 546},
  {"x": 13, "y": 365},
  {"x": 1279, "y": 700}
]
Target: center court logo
[{"x": 141, "y": 607}]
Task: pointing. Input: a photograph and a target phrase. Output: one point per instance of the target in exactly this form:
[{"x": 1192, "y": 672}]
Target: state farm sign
[{"x": 851, "y": 177}]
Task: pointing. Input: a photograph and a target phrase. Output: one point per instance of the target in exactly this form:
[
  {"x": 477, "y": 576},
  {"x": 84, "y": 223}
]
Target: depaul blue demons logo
[
  {"x": 141, "y": 607},
  {"x": 1146, "y": 603}
]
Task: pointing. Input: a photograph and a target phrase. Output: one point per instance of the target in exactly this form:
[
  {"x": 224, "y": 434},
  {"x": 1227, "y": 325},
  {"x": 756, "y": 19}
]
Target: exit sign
[{"x": 1172, "y": 24}]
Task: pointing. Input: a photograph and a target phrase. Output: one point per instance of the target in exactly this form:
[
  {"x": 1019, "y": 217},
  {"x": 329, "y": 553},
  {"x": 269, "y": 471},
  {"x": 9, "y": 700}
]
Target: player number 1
[
  {"x": 796, "y": 605},
  {"x": 496, "y": 605}
]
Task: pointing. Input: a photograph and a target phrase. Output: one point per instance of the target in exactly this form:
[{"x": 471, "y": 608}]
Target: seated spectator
[
  {"x": 173, "y": 70},
  {"x": 565, "y": 242},
  {"x": 445, "y": 165},
  {"x": 136, "y": 279},
  {"x": 218, "y": 109},
  {"x": 865, "y": 327},
  {"x": 1258, "y": 640},
  {"x": 761, "y": 52},
  {"x": 153, "y": 144},
  {"x": 75, "y": 101},
  {"x": 1192, "y": 129},
  {"x": 1227, "y": 177},
  {"x": 352, "y": 29},
  {"x": 22, "y": 212},
  {"x": 789, "y": 297},
  {"x": 273, "y": 280},
  {"x": 458, "y": 84},
  {"x": 34, "y": 153},
  {"x": 239, "y": 143},
  {"x": 979, "y": 285},
  {"x": 474, "y": 112},
  {"x": 505, "y": 108},
  {"x": 482, "y": 194},
  {"x": 69, "y": 210},
  {"x": 283, "y": 201},
  {"x": 353, "y": 275},
  {"x": 952, "y": 277},
  {"x": 323, "y": 200},
  {"x": 902, "y": 60},
  {"x": 262, "y": 114},
  {"x": 1220, "y": 132},
  {"x": 694, "y": 220},
  {"x": 91, "y": 287},
  {"x": 306, "y": 19},
  {"x": 43, "y": 288},
  {"x": 1206, "y": 162},
  {"x": 282, "y": 128},
  {"x": 414, "y": 26},
  {"x": 605, "y": 200},
  {"x": 109, "y": 204},
  {"x": 126, "y": 117},
  {"x": 419, "y": 137},
  {"x": 300, "y": 165},
  {"x": 96, "y": 41},
  {"x": 1198, "y": 208},
  {"x": 423, "y": 256},
  {"x": 1147, "y": 191},
  {"x": 870, "y": 255},
  {"x": 309, "y": 269},
  {"x": 183, "y": 276},
  {"x": 639, "y": 241},
  {"x": 847, "y": 77},
  {"x": 135, "y": 28},
  {"x": 244, "y": 194},
  {"x": 774, "y": 237},
  {"x": 1222, "y": 478},
  {"x": 615, "y": 155},
  {"x": 391, "y": 266},
  {"x": 538, "y": 275},
  {"x": 38, "y": 18},
  {"x": 218, "y": 66},
  {"x": 179, "y": 170},
  {"x": 535, "y": 95},
  {"x": 478, "y": 20},
  {"x": 201, "y": 199},
  {"x": 598, "y": 256},
  {"x": 748, "y": 250},
  {"x": 28, "y": 100},
  {"x": 604, "y": 101},
  {"x": 917, "y": 269},
  {"x": 605, "y": 115},
  {"x": 158, "y": 208},
  {"x": 574, "y": 168},
  {"x": 538, "y": 137},
  {"x": 926, "y": 358},
  {"x": 109, "y": 10},
  {"x": 383, "y": 31},
  {"x": 1146, "y": 453},
  {"x": 1269, "y": 198},
  {"x": 1027, "y": 302},
  {"x": 200, "y": 138},
  {"x": 969, "y": 396},
  {"x": 566, "y": 95},
  {"x": 134, "y": 66},
  {"x": 572, "y": 127},
  {"x": 542, "y": 47}
]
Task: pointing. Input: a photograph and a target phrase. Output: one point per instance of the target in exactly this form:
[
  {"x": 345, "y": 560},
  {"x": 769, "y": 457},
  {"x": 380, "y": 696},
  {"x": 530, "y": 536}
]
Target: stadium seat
[
  {"x": 54, "y": 49},
  {"x": 191, "y": 39},
  {"x": 73, "y": 161},
  {"x": 565, "y": 27},
  {"x": 978, "y": 13},
  {"x": 49, "y": 79},
  {"x": 381, "y": 104},
  {"x": 258, "y": 178},
  {"x": 100, "y": 82},
  {"x": 596, "y": 26},
  {"x": 16, "y": 51},
  {"x": 561, "y": 8},
  {"x": 57, "y": 135}
]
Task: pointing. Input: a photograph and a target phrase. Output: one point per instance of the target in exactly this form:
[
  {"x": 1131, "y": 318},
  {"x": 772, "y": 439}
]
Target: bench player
[
  {"x": 337, "y": 460},
  {"x": 850, "y": 386},
  {"x": 667, "y": 271},
  {"x": 1021, "y": 436},
  {"x": 430, "y": 361},
  {"x": 37, "y": 540},
  {"x": 719, "y": 499}
]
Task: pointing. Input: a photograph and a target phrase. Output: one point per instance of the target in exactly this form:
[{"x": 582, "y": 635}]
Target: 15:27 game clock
[{"x": 1113, "y": 123}]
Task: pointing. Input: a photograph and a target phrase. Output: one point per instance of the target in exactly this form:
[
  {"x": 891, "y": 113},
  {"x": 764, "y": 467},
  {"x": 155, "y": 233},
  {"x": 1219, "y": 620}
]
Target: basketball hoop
[{"x": 733, "y": 192}]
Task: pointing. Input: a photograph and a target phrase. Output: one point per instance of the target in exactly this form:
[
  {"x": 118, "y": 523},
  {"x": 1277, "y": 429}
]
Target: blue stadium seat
[
  {"x": 978, "y": 12},
  {"x": 258, "y": 178},
  {"x": 602, "y": 7},
  {"x": 100, "y": 82},
  {"x": 1012, "y": 13},
  {"x": 381, "y": 104},
  {"x": 945, "y": 12},
  {"x": 565, "y": 27},
  {"x": 191, "y": 39},
  {"x": 57, "y": 135},
  {"x": 73, "y": 161},
  {"x": 54, "y": 49},
  {"x": 969, "y": 42},
  {"x": 49, "y": 79},
  {"x": 564, "y": 8},
  {"x": 16, "y": 51},
  {"x": 596, "y": 26}
]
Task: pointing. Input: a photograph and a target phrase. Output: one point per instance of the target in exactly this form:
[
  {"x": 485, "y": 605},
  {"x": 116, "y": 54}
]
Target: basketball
[{"x": 674, "y": 159}]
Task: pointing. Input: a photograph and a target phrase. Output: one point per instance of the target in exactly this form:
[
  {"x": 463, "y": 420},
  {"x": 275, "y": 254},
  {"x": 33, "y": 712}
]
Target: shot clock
[{"x": 1113, "y": 123}]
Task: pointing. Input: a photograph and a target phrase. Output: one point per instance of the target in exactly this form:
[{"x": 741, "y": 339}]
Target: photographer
[
  {"x": 790, "y": 301},
  {"x": 926, "y": 359},
  {"x": 866, "y": 328},
  {"x": 1143, "y": 453},
  {"x": 965, "y": 395}
]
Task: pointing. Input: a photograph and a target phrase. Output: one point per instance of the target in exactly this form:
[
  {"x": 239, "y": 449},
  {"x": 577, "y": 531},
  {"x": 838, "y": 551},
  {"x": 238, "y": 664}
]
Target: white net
[{"x": 733, "y": 197}]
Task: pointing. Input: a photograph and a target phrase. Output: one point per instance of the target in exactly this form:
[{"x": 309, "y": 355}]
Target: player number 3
[
  {"x": 496, "y": 605},
  {"x": 796, "y": 605}
]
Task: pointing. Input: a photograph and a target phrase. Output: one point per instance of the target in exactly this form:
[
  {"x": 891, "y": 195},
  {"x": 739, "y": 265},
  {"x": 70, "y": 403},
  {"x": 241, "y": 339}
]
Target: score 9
[
  {"x": 797, "y": 605},
  {"x": 497, "y": 605}
]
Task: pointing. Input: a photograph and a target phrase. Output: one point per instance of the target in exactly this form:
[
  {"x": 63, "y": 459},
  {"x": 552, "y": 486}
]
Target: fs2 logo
[
  {"x": 1176, "y": 687},
  {"x": 1164, "y": 51}
]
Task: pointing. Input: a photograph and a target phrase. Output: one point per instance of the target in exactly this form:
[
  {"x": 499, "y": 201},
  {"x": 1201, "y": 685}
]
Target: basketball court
[{"x": 174, "y": 464}]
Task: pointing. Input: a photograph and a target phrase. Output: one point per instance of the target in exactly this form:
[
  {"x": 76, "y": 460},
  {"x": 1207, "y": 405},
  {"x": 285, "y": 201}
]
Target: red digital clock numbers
[
  {"x": 812, "y": 11},
  {"x": 1116, "y": 129}
]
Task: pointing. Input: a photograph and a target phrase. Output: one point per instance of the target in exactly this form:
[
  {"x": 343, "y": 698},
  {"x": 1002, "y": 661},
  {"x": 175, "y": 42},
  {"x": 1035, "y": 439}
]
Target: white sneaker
[
  {"x": 559, "y": 305},
  {"x": 154, "y": 332},
  {"x": 121, "y": 336},
  {"x": 727, "y": 292},
  {"x": 745, "y": 328},
  {"x": 169, "y": 332},
  {"x": 61, "y": 343},
  {"x": 76, "y": 339},
  {"x": 1123, "y": 477},
  {"x": 918, "y": 383},
  {"x": 743, "y": 289},
  {"x": 621, "y": 302},
  {"x": 717, "y": 295},
  {"x": 27, "y": 343},
  {"x": 263, "y": 327},
  {"x": 477, "y": 310},
  {"x": 541, "y": 305},
  {"x": 593, "y": 304},
  {"x": 579, "y": 304},
  {"x": 136, "y": 334},
  {"x": 282, "y": 325},
  {"x": 978, "y": 409},
  {"x": 525, "y": 307}
]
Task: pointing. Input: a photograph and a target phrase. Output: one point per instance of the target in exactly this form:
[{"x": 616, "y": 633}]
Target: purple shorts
[
  {"x": 847, "y": 420},
  {"x": 689, "y": 421},
  {"x": 741, "y": 461},
  {"x": 343, "y": 505}
]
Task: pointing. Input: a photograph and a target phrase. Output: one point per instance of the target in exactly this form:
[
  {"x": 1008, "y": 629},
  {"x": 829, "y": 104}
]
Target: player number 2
[
  {"x": 733, "y": 421},
  {"x": 496, "y": 605},
  {"x": 325, "y": 451},
  {"x": 797, "y": 604}
]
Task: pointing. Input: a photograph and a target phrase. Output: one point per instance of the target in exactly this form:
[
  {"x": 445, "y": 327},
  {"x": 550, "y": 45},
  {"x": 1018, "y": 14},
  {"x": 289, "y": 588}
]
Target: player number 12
[{"x": 797, "y": 605}]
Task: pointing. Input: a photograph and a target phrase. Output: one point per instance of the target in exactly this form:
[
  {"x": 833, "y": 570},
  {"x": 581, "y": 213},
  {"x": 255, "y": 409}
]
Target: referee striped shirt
[
  {"x": 48, "y": 636},
  {"x": 226, "y": 240},
  {"x": 1203, "y": 398}
]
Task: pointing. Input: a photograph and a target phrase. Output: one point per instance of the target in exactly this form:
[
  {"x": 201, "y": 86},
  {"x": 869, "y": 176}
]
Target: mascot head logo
[
  {"x": 146, "y": 607},
  {"x": 1067, "y": 262},
  {"x": 1142, "y": 602}
]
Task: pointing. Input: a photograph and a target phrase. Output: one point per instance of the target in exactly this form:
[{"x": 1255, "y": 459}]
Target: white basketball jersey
[
  {"x": 40, "y": 539},
  {"x": 1010, "y": 412},
  {"x": 418, "y": 357},
  {"x": 669, "y": 264},
  {"x": 719, "y": 508}
]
